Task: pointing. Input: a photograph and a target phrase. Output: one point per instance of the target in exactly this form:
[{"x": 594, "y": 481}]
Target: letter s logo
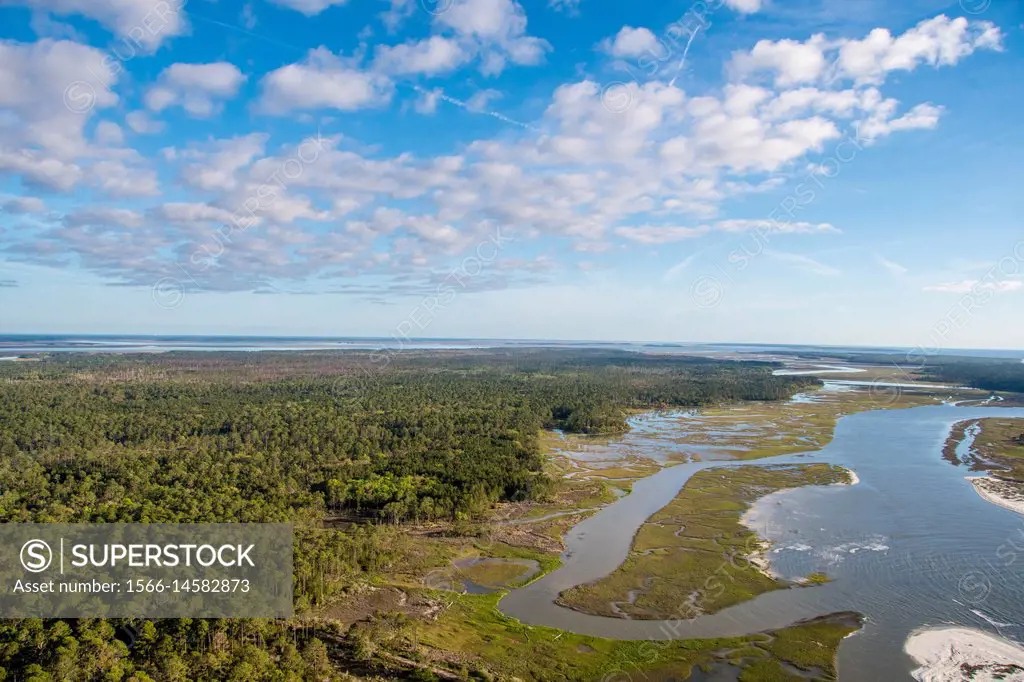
[{"x": 36, "y": 556}]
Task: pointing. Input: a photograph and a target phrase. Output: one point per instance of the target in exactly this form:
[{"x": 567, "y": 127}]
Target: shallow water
[{"x": 911, "y": 545}]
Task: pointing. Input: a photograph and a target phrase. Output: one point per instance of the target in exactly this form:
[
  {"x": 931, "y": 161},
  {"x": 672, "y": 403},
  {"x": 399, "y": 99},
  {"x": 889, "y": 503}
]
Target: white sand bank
[
  {"x": 952, "y": 654},
  {"x": 854, "y": 478},
  {"x": 999, "y": 492}
]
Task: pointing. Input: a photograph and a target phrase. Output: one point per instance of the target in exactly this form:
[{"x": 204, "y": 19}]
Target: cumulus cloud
[
  {"x": 496, "y": 29},
  {"x": 431, "y": 56},
  {"x": 49, "y": 93},
  {"x": 939, "y": 41},
  {"x": 631, "y": 42},
  {"x": 493, "y": 32},
  {"x": 108, "y": 133},
  {"x": 323, "y": 80},
  {"x": 103, "y": 215},
  {"x": 935, "y": 42},
  {"x": 309, "y": 7},
  {"x": 51, "y": 88},
  {"x": 744, "y": 6},
  {"x": 214, "y": 166},
  {"x": 23, "y": 205},
  {"x": 141, "y": 123},
  {"x": 198, "y": 88},
  {"x": 145, "y": 23},
  {"x": 40, "y": 171},
  {"x": 790, "y": 62},
  {"x": 643, "y": 166}
]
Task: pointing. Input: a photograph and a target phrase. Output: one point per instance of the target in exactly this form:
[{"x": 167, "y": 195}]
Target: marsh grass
[
  {"x": 474, "y": 633},
  {"x": 693, "y": 556}
]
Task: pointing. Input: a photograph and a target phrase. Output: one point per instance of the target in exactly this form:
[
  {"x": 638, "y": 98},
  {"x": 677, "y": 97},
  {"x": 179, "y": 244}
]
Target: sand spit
[
  {"x": 951, "y": 654},
  {"x": 752, "y": 520},
  {"x": 999, "y": 492},
  {"x": 854, "y": 478}
]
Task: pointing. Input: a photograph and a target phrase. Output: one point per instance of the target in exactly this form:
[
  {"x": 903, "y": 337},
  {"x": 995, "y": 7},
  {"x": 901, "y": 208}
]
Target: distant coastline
[{"x": 11, "y": 344}]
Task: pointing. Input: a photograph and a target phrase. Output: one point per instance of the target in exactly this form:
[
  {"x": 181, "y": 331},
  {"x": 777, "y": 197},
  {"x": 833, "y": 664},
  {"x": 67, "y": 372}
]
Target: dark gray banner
[{"x": 216, "y": 570}]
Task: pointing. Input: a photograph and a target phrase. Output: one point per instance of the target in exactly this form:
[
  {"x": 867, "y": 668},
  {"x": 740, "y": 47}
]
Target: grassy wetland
[
  {"x": 471, "y": 632},
  {"x": 994, "y": 447},
  {"x": 695, "y": 556}
]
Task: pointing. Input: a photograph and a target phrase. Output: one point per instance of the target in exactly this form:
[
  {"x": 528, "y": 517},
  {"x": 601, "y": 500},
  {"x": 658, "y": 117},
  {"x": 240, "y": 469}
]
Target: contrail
[
  {"x": 686, "y": 50},
  {"x": 459, "y": 103}
]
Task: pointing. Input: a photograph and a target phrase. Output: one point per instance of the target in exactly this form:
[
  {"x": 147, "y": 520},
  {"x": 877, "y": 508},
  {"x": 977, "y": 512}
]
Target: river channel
[{"x": 911, "y": 545}]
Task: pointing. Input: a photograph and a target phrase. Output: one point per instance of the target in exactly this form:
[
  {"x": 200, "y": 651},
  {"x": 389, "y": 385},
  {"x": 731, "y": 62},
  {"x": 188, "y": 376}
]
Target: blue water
[{"x": 911, "y": 545}]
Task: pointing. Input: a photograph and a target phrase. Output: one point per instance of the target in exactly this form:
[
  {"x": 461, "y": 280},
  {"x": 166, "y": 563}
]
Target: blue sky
[{"x": 806, "y": 171}]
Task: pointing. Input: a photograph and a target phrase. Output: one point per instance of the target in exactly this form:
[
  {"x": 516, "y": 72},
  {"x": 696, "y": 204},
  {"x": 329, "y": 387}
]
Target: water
[
  {"x": 912, "y": 545},
  {"x": 134, "y": 343}
]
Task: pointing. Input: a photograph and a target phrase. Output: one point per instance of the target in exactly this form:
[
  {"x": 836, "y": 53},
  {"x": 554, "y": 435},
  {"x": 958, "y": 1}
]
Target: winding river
[{"x": 911, "y": 545}]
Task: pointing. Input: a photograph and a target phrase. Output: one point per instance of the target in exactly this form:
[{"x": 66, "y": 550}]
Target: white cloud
[
  {"x": 101, "y": 215},
  {"x": 796, "y": 102},
  {"x": 309, "y": 7},
  {"x": 323, "y": 81},
  {"x": 968, "y": 286},
  {"x": 198, "y": 88},
  {"x": 120, "y": 180},
  {"x": 38, "y": 170},
  {"x": 399, "y": 11},
  {"x": 45, "y": 26},
  {"x": 632, "y": 42},
  {"x": 51, "y": 88},
  {"x": 145, "y": 23},
  {"x": 494, "y": 28},
  {"x": 922, "y": 117},
  {"x": 744, "y": 6},
  {"x": 214, "y": 166},
  {"x": 141, "y": 123},
  {"x": 431, "y": 56},
  {"x": 774, "y": 226},
  {"x": 428, "y": 101},
  {"x": 658, "y": 234},
  {"x": 108, "y": 133},
  {"x": 652, "y": 165},
  {"x": 792, "y": 62},
  {"x": 891, "y": 266},
  {"x": 939, "y": 41},
  {"x": 49, "y": 93},
  {"x": 482, "y": 99},
  {"x": 185, "y": 212},
  {"x": 22, "y": 205}
]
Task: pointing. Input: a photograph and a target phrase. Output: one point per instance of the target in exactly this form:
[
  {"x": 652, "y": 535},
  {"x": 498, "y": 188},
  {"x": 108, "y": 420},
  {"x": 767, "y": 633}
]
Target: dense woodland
[
  {"x": 224, "y": 437},
  {"x": 989, "y": 374}
]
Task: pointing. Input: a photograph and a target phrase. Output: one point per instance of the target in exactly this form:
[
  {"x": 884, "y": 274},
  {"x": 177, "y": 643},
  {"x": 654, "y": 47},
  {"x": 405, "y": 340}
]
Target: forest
[
  {"x": 986, "y": 373},
  {"x": 305, "y": 438}
]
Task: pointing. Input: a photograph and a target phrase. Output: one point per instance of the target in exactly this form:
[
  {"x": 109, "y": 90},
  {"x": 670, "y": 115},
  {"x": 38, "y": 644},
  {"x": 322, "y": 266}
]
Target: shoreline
[
  {"x": 987, "y": 488},
  {"x": 957, "y": 654},
  {"x": 759, "y": 559}
]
